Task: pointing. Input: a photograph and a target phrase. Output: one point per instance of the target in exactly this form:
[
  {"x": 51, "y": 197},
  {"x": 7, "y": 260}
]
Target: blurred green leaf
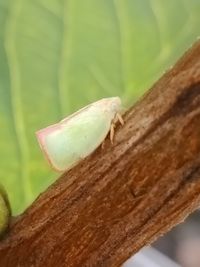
[{"x": 56, "y": 56}]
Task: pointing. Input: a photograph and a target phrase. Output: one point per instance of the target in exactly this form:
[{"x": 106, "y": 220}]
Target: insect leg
[
  {"x": 119, "y": 118},
  {"x": 112, "y": 132}
]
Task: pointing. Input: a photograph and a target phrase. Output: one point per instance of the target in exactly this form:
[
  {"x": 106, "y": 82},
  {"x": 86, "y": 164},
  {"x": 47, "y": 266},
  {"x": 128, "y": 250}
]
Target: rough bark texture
[{"x": 126, "y": 195}]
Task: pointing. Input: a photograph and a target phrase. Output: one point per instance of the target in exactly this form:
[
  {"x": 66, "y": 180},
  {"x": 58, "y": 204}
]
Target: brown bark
[{"x": 126, "y": 195}]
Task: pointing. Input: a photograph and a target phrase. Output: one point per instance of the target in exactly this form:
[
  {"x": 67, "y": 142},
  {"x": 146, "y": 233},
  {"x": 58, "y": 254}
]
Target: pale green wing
[{"x": 77, "y": 139}]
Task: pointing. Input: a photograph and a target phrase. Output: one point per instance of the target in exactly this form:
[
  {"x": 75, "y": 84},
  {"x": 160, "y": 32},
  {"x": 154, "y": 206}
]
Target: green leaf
[{"x": 57, "y": 56}]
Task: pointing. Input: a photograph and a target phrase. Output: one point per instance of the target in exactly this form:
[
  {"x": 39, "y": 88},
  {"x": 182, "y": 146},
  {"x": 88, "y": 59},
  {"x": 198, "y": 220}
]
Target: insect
[
  {"x": 66, "y": 143},
  {"x": 5, "y": 211}
]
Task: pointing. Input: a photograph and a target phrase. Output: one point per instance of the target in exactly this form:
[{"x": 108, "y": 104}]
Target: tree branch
[{"x": 126, "y": 195}]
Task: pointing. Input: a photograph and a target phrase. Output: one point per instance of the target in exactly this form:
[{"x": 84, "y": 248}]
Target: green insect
[{"x": 66, "y": 143}]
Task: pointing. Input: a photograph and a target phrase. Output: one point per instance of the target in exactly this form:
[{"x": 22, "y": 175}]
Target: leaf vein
[{"x": 15, "y": 95}]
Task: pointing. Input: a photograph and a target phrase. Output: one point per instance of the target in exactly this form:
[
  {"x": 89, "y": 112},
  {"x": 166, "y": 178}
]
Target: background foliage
[{"x": 58, "y": 55}]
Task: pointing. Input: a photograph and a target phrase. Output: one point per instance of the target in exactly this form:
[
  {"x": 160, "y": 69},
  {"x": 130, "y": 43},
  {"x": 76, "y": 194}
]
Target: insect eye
[{"x": 115, "y": 106}]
